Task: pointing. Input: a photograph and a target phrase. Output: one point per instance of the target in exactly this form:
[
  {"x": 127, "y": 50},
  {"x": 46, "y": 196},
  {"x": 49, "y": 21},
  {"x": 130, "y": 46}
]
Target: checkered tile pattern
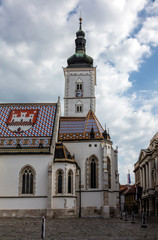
[
  {"x": 73, "y": 128},
  {"x": 42, "y": 128},
  {"x": 24, "y": 142},
  {"x": 44, "y": 122},
  {"x": 72, "y": 125}
]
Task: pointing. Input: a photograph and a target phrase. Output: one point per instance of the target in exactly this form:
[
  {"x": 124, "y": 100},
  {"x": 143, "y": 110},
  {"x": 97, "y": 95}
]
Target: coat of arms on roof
[{"x": 21, "y": 120}]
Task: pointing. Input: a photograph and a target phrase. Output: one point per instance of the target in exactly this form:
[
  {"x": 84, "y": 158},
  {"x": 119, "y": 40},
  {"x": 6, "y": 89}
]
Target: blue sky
[
  {"x": 147, "y": 76},
  {"x": 37, "y": 37}
]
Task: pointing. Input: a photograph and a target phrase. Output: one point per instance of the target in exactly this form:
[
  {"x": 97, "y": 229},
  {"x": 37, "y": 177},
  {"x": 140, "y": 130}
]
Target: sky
[{"x": 37, "y": 37}]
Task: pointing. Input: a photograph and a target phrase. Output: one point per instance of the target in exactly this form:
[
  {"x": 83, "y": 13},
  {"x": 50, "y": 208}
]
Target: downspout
[{"x": 79, "y": 190}]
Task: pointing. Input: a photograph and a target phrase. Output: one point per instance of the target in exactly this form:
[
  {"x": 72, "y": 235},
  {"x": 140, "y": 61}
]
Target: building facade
[
  {"x": 146, "y": 178},
  {"x": 128, "y": 198},
  {"x": 59, "y": 166}
]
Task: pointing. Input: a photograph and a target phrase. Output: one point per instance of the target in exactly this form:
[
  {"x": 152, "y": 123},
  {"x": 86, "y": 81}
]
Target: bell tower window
[
  {"x": 79, "y": 107},
  {"x": 79, "y": 88}
]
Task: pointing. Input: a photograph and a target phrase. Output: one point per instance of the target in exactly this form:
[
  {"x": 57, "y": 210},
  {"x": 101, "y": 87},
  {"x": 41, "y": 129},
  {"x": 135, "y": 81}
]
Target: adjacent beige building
[{"x": 146, "y": 177}]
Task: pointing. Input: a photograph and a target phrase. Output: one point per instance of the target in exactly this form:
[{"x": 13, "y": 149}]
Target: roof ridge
[
  {"x": 87, "y": 118},
  {"x": 97, "y": 122},
  {"x": 8, "y": 104},
  {"x": 70, "y": 118}
]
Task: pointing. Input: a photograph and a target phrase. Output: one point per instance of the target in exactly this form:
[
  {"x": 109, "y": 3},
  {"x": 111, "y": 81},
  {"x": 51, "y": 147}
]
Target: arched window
[
  {"x": 27, "y": 180},
  {"x": 79, "y": 107},
  {"x": 109, "y": 172},
  {"x": 70, "y": 182},
  {"x": 60, "y": 181},
  {"x": 92, "y": 172},
  {"x": 79, "y": 88}
]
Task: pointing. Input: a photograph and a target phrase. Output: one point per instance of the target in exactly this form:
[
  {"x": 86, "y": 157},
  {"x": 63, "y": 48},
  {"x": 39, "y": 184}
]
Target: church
[{"x": 59, "y": 166}]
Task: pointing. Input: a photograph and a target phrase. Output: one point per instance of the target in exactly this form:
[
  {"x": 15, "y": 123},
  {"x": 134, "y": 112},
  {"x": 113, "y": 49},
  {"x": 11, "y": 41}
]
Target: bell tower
[{"x": 80, "y": 79}]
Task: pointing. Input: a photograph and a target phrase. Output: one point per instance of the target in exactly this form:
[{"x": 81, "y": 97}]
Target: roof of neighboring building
[
  {"x": 26, "y": 126},
  {"x": 145, "y": 153},
  {"x": 122, "y": 188},
  {"x": 131, "y": 189},
  {"x": 62, "y": 154},
  {"x": 80, "y": 128}
]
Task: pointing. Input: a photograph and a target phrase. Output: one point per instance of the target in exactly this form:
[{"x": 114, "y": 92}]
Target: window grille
[
  {"x": 27, "y": 181},
  {"x": 93, "y": 174},
  {"x": 70, "y": 179},
  {"x": 60, "y": 181}
]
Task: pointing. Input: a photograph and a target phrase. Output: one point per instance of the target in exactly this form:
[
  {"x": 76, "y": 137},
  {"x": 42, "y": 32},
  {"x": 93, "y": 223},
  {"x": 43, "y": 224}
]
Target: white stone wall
[
  {"x": 64, "y": 201},
  {"x": 65, "y": 167},
  {"x": 10, "y": 167},
  {"x": 113, "y": 199},
  {"x": 94, "y": 197},
  {"x": 88, "y": 78},
  {"x": 23, "y": 203},
  {"x": 82, "y": 151}
]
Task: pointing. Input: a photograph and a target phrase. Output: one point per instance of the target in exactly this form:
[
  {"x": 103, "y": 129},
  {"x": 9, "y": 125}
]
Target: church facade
[{"x": 59, "y": 166}]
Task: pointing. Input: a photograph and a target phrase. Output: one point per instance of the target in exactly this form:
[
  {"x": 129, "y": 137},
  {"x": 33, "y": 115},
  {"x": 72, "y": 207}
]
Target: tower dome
[{"x": 80, "y": 58}]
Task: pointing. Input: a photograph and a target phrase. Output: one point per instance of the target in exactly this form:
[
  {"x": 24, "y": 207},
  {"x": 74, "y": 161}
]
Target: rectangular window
[
  {"x": 79, "y": 108},
  {"x": 79, "y": 86}
]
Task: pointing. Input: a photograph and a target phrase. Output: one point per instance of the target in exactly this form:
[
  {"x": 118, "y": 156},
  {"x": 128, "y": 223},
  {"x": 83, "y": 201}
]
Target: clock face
[{"x": 79, "y": 93}]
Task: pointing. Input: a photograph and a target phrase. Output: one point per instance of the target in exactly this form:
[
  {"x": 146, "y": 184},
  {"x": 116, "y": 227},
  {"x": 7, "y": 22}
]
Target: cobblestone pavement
[{"x": 80, "y": 228}]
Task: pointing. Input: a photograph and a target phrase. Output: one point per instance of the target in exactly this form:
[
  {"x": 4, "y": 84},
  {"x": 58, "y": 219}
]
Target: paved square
[{"x": 80, "y": 228}]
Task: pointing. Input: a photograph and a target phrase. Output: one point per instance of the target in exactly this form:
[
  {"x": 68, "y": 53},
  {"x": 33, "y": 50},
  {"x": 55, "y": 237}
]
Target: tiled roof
[
  {"x": 130, "y": 190},
  {"x": 74, "y": 128},
  {"x": 62, "y": 154},
  {"x": 26, "y": 125},
  {"x": 122, "y": 188}
]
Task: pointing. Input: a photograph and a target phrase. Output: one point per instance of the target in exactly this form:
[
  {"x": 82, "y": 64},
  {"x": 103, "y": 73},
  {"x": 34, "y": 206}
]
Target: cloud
[
  {"x": 152, "y": 8},
  {"x": 127, "y": 55},
  {"x": 132, "y": 124},
  {"x": 149, "y": 32}
]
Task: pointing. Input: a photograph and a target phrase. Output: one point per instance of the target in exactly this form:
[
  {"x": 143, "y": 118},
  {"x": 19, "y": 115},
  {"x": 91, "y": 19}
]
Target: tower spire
[
  {"x": 80, "y": 58},
  {"x": 80, "y": 19},
  {"x": 80, "y": 40}
]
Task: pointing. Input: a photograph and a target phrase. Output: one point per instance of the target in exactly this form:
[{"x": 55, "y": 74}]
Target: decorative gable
[
  {"x": 79, "y": 80},
  {"x": 73, "y": 128}
]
